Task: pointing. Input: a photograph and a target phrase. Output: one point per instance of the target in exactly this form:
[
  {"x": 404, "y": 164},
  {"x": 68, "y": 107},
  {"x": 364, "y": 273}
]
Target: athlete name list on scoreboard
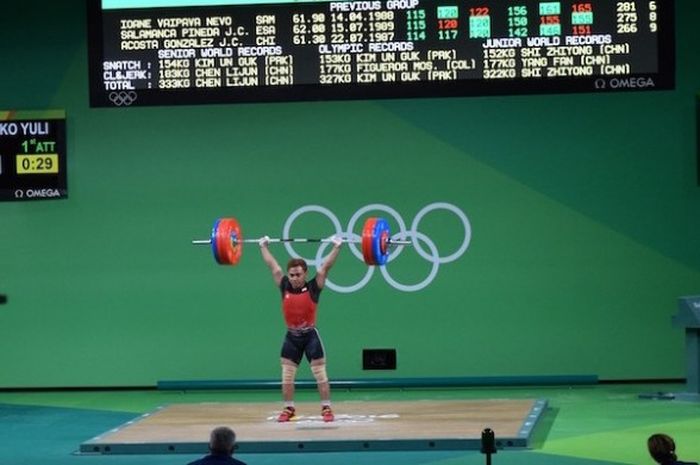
[{"x": 356, "y": 42}]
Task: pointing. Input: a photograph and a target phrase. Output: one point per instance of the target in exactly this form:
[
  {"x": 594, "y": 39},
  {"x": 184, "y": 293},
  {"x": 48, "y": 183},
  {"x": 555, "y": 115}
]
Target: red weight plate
[
  {"x": 367, "y": 239},
  {"x": 222, "y": 242},
  {"x": 236, "y": 242},
  {"x": 229, "y": 241}
]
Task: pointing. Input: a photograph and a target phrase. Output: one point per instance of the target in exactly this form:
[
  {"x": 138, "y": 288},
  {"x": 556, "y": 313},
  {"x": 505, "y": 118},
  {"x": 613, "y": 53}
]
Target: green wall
[{"x": 584, "y": 211}]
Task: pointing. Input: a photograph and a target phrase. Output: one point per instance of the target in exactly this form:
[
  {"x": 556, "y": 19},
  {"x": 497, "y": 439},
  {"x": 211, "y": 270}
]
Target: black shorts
[{"x": 298, "y": 343}]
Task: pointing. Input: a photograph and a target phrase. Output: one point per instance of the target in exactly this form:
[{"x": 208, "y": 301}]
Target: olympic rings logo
[
  {"x": 122, "y": 98},
  {"x": 419, "y": 240}
]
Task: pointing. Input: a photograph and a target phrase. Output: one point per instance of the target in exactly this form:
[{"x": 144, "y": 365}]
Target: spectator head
[
  {"x": 222, "y": 440},
  {"x": 662, "y": 448}
]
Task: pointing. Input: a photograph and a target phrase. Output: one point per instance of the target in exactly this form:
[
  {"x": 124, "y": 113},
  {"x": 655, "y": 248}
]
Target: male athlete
[{"x": 299, "y": 301}]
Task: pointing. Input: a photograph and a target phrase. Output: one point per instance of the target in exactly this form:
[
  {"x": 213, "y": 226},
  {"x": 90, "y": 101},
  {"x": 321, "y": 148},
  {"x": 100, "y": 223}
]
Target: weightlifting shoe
[
  {"x": 287, "y": 414},
  {"x": 327, "y": 413}
]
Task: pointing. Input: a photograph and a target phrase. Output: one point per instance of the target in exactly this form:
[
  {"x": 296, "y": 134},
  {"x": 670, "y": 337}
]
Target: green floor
[{"x": 585, "y": 425}]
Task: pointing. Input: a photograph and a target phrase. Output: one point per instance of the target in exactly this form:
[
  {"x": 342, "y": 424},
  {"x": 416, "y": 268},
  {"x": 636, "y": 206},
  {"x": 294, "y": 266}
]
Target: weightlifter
[{"x": 299, "y": 302}]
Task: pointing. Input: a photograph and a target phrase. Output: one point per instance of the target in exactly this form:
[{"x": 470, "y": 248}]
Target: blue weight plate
[
  {"x": 214, "y": 236},
  {"x": 380, "y": 251}
]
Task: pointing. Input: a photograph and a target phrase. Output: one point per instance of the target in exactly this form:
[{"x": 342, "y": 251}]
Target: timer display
[
  {"x": 37, "y": 164},
  {"x": 33, "y": 155}
]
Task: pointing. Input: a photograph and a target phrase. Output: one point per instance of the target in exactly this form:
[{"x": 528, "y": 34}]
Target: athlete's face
[{"x": 297, "y": 276}]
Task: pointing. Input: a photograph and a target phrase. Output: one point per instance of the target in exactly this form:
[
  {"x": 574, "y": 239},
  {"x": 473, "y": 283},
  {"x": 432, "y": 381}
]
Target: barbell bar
[
  {"x": 284, "y": 239},
  {"x": 227, "y": 241}
]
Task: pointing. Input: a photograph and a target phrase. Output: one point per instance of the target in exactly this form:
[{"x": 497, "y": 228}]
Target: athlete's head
[{"x": 296, "y": 271}]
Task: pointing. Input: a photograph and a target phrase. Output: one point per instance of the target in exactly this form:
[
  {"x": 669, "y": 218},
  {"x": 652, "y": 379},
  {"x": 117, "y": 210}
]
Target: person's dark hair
[
  {"x": 296, "y": 262},
  {"x": 221, "y": 440},
  {"x": 662, "y": 448}
]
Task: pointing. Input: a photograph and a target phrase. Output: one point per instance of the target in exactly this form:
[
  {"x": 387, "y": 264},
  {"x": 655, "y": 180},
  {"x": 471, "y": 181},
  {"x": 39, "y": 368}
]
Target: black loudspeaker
[
  {"x": 3, "y": 298},
  {"x": 379, "y": 359}
]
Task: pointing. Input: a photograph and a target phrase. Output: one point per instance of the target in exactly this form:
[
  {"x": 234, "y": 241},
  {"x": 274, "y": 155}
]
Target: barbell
[{"x": 227, "y": 241}]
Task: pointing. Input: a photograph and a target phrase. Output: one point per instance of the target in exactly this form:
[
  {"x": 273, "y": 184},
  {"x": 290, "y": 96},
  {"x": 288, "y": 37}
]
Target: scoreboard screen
[
  {"x": 165, "y": 52},
  {"x": 33, "y": 155}
]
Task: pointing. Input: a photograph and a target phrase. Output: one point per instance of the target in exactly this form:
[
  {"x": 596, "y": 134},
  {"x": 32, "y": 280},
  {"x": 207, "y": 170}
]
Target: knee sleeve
[
  {"x": 288, "y": 373},
  {"x": 319, "y": 372}
]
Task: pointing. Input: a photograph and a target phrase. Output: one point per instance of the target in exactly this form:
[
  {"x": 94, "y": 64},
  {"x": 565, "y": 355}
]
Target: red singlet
[{"x": 299, "y": 305}]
